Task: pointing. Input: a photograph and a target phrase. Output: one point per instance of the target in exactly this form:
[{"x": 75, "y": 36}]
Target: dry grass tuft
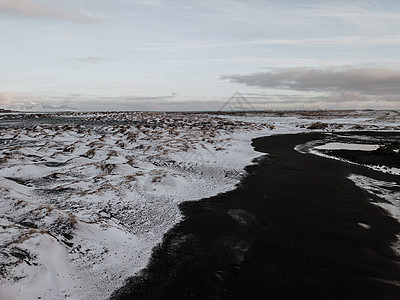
[
  {"x": 107, "y": 168},
  {"x": 90, "y": 154}
]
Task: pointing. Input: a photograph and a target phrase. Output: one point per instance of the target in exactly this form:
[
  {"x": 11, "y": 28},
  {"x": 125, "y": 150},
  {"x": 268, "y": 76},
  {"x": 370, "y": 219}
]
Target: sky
[{"x": 194, "y": 55}]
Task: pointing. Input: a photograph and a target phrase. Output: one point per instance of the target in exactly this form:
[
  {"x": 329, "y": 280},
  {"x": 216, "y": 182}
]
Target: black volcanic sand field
[{"x": 289, "y": 231}]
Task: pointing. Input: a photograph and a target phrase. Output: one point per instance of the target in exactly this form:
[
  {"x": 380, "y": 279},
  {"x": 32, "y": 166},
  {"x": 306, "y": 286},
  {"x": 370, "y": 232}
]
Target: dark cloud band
[{"x": 378, "y": 81}]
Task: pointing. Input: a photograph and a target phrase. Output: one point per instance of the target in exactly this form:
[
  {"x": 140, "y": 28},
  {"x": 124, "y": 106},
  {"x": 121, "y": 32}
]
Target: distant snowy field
[{"x": 86, "y": 196}]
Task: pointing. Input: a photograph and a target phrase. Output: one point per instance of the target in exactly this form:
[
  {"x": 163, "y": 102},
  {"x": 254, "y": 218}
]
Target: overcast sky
[{"x": 193, "y": 55}]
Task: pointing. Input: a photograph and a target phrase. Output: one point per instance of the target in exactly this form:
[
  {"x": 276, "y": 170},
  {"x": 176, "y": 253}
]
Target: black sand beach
[{"x": 289, "y": 231}]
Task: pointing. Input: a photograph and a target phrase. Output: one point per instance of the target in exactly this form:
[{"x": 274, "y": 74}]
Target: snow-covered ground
[
  {"x": 389, "y": 194},
  {"x": 86, "y": 196}
]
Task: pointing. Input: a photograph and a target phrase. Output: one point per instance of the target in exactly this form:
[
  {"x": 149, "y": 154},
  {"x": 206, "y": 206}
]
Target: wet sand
[{"x": 289, "y": 231}]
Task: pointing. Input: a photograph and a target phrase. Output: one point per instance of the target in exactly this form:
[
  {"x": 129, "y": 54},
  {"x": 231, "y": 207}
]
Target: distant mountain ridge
[{"x": 39, "y": 107}]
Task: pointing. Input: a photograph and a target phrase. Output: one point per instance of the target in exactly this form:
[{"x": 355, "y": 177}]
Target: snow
[
  {"x": 387, "y": 191},
  {"x": 363, "y": 225},
  {"x": 347, "y": 146},
  {"x": 53, "y": 273},
  {"x": 86, "y": 206},
  {"x": 87, "y": 196}
]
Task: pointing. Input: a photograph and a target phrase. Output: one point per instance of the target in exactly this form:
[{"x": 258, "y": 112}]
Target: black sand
[{"x": 289, "y": 231}]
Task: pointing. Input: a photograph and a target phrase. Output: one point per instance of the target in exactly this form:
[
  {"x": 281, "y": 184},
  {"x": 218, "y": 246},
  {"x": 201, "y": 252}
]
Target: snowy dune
[{"x": 86, "y": 196}]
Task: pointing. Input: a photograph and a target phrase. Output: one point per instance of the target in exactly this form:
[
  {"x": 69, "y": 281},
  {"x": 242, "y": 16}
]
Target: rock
[{"x": 318, "y": 125}]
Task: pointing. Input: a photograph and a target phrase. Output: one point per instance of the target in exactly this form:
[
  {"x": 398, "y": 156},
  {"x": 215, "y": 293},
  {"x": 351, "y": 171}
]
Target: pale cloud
[
  {"x": 240, "y": 60},
  {"x": 372, "y": 15},
  {"x": 337, "y": 41},
  {"x": 163, "y": 47},
  {"x": 154, "y": 3},
  {"x": 343, "y": 97},
  {"x": 90, "y": 59},
  {"x": 332, "y": 41},
  {"x": 6, "y": 98},
  {"x": 43, "y": 10}
]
